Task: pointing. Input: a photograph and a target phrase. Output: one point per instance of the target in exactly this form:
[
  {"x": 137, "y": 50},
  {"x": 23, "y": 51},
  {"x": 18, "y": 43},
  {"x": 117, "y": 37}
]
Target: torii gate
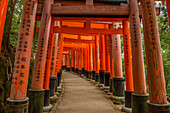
[{"x": 54, "y": 11}]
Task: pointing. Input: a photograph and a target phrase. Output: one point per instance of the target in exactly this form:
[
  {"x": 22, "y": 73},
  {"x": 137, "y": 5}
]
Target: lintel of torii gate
[
  {"x": 70, "y": 49},
  {"x": 78, "y": 40},
  {"x": 114, "y": 11},
  {"x": 73, "y": 45},
  {"x": 96, "y": 2},
  {"x": 65, "y": 53},
  {"x": 83, "y": 19},
  {"x": 85, "y": 30}
]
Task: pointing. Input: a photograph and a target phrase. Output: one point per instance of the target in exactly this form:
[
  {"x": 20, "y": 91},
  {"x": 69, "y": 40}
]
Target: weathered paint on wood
[{"x": 23, "y": 51}]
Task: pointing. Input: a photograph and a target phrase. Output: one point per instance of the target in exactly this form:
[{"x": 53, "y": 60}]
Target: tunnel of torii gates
[{"x": 84, "y": 37}]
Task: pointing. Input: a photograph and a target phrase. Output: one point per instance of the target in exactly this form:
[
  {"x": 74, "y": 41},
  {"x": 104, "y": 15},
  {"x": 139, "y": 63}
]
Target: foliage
[{"x": 16, "y": 22}]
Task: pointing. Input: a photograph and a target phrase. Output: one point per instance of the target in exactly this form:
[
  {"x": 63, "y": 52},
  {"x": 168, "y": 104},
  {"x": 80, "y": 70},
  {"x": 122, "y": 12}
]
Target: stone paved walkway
[{"x": 80, "y": 96}]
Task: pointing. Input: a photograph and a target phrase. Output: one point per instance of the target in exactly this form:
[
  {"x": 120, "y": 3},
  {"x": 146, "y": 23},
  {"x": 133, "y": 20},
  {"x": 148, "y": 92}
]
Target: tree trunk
[{"x": 6, "y": 57}]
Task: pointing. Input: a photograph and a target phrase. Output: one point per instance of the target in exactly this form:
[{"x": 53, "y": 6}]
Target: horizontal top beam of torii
[
  {"x": 78, "y": 40},
  {"x": 64, "y": 53},
  {"x": 96, "y": 2},
  {"x": 85, "y": 30},
  {"x": 70, "y": 49},
  {"x": 73, "y": 45},
  {"x": 121, "y": 11}
]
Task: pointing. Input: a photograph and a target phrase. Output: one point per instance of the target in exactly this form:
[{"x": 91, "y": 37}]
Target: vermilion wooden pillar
[
  {"x": 48, "y": 66},
  {"x": 60, "y": 52},
  {"x": 111, "y": 58},
  {"x": 18, "y": 95},
  {"x": 39, "y": 67},
  {"x": 107, "y": 63},
  {"x": 111, "y": 64},
  {"x": 49, "y": 58},
  {"x": 53, "y": 75},
  {"x": 77, "y": 60},
  {"x": 140, "y": 95},
  {"x": 88, "y": 57},
  {"x": 65, "y": 61},
  {"x": 57, "y": 56},
  {"x": 3, "y": 10},
  {"x": 85, "y": 61},
  {"x": 90, "y": 62},
  {"x": 61, "y": 39},
  {"x": 118, "y": 79},
  {"x": 127, "y": 57},
  {"x": 82, "y": 61},
  {"x": 79, "y": 64},
  {"x": 94, "y": 62},
  {"x": 72, "y": 61},
  {"x": 168, "y": 10},
  {"x": 155, "y": 72},
  {"x": 68, "y": 58},
  {"x": 97, "y": 58},
  {"x": 127, "y": 63},
  {"x": 102, "y": 60}
]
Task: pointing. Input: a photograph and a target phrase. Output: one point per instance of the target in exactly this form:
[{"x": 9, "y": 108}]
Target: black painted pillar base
[
  {"x": 72, "y": 69},
  {"x": 97, "y": 77},
  {"x": 101, "y": 76},
  {"x": 36, "y": 101},
  {"x": 52, "y": 85},
  {"x": 68, "y": 69},
  {"x": 63, "y": 67},
  {"x": 59, "y": 78},
  {"x": 85, "y": 73},
  {"x": 47, "y": 97},
  {"x": 61, "y": 71},
  {"x": 82, "y": 70},
  {"x": 79, "y": 72},
  {"x": 118, "y": 86},
  {"x": 128, "y": 102},
  {"x": 89, "y": 74},
  {"x": 76, "y": 71},
  {"x": 158, "y": 108},
  {"x": 17, "y": 106},
  {"x": 93, "y": 75},
  {"x": 106, "y": 79},
  {"x": 139, "y": 103},
  {"x": 111, "y": 85}
]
